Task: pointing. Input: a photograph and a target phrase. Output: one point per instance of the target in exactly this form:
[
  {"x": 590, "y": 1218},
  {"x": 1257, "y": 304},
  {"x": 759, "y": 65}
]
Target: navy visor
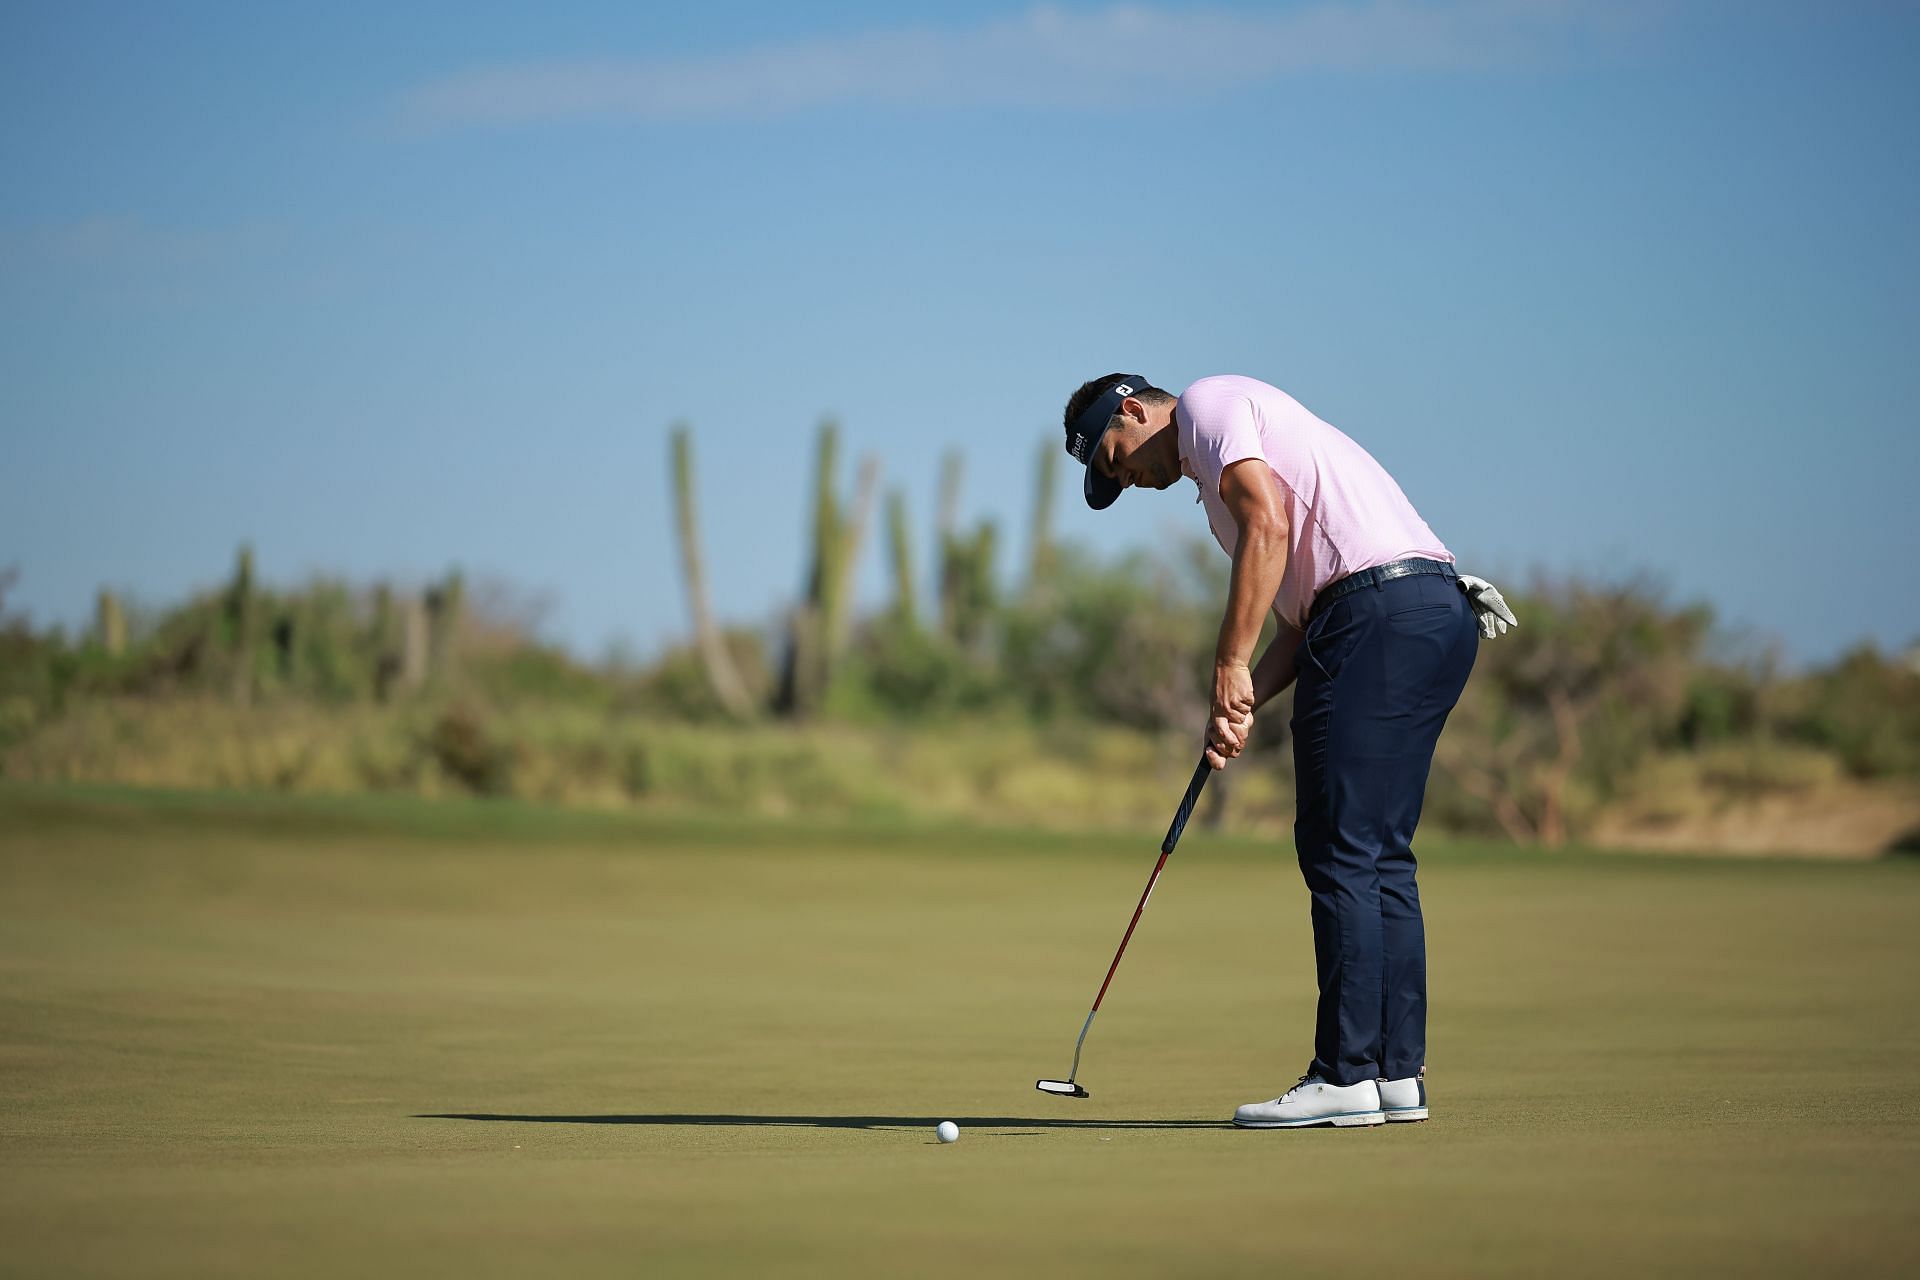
[{"x": 1084, "y": 433}]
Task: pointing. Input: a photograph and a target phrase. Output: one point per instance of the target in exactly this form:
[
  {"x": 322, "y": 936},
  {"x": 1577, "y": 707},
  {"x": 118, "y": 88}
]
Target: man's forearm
[
  {"x": 1259, "y": 563},
  {"x": 1253, "y": 496},
  {"x": 1277, "y": 666}
]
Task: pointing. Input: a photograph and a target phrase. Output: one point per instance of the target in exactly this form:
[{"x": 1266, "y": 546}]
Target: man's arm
[
  {"x": 1252, "y": 498},
  {"x": 1275, "y": 670}
]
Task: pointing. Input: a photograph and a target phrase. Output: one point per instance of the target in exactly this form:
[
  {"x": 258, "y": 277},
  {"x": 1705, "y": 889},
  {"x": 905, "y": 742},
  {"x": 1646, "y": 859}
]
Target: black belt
[{"x": 1373, "y": 577}]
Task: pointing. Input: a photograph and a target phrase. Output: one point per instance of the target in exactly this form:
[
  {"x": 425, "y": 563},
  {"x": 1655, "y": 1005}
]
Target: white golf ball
[{"x": 948, "y": 1131}]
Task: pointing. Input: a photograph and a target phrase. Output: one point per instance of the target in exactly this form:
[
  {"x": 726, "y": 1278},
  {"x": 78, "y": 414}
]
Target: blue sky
[{"x": 1609, "y": 287}]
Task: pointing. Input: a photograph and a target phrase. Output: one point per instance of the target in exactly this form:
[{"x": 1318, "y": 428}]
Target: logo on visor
[{"x": 1078, "y": 448}]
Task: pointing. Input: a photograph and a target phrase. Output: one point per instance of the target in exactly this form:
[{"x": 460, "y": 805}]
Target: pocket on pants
[
  {"x": 1329, "y": 639},
  {"x": 1420, "y": 616},
  {"x": 1422, "y": 604}
]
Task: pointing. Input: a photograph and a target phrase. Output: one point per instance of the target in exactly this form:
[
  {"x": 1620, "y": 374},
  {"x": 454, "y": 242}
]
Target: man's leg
[
  {"x": 1431, "y": 640},
  {"x": 1403, "y": 1014},
  {"x": 1338, "y": 833}
]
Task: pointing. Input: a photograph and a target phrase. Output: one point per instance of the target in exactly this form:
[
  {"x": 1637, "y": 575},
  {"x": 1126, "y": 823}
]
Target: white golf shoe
[
  {"x": 1404, "y": 1099},
  {"x": 1315, "y": 1102}
]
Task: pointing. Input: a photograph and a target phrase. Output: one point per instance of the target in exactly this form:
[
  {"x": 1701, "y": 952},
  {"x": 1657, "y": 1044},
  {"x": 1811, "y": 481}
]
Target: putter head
[{"x": 1063, "y": 1088}]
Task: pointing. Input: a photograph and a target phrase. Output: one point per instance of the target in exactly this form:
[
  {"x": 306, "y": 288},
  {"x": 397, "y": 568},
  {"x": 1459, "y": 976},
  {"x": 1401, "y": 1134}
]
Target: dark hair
[{"x": 1090, "y": 391}]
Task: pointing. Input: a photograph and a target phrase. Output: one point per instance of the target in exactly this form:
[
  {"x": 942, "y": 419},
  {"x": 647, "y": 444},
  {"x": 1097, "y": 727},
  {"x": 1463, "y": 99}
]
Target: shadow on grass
[{"x": 840, "y": 1122}]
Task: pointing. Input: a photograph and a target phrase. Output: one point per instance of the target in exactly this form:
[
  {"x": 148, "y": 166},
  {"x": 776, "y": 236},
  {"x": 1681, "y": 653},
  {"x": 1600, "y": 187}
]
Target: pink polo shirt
[{"x": 1344, "y": 512}]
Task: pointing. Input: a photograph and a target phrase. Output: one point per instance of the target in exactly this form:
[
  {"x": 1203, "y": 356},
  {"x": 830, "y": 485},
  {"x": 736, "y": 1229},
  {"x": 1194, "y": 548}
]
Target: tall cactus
[
  {"x": 974, "y": 594},
  {"x": 802, "y": 664},
  {"x": 967, "y": 593},
  {"x": 818, "y": 627},
  {"x": 290, "y": 641},
  {"x": 111, "y": 624},
  {"x": 827, "y": 586},
  {"x": 242, "y": 608},
  {"x": 950, "y": 550},
  {"x": 853, "y": 536},
  {"x": 722, "y": 676},
  {"x": 416, "y": 639},
  {"x": 383, "y": 643},
  {"x": 900, "y": 544},
  {"x": 445, "y": 605},
  {"x": 1040, "y": 564}
]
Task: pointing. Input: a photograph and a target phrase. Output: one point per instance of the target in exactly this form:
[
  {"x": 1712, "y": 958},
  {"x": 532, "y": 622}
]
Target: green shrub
[
  {"x": 1866, "y": 708},
  {"x": 460, "y": 745}
]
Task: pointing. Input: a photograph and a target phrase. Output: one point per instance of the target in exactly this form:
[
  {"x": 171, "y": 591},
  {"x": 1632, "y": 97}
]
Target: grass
[{"x": 243, "y": 1035}]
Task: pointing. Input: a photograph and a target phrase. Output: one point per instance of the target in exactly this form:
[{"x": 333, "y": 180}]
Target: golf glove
[{"x": 1489, "y": 607}]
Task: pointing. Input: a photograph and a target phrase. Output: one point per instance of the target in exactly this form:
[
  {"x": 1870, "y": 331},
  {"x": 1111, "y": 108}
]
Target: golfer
[{"x": 1380, "y": 632}]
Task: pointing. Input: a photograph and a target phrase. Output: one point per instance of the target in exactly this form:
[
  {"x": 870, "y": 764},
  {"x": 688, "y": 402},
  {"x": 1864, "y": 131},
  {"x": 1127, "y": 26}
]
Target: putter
[{"x": 1070, "y": 1088}]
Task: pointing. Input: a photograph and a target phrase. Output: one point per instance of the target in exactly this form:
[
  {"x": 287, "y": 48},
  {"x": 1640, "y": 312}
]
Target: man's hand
[
  {"x": 1489, "y": 607},
  {"x": 1227, "y": 739},
  {"x": 1230, "y": 718}
]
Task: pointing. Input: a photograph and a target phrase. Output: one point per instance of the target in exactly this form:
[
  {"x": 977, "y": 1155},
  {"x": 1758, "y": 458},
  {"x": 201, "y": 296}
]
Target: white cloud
[{"x": 1048, "y": 56}]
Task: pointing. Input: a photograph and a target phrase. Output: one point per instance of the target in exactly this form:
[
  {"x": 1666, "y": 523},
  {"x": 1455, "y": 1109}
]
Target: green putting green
[{"x": 243, "y": 1036}]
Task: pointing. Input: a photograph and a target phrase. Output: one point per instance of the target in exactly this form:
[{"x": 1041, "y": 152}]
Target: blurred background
[{"x": 645, "y": 409}]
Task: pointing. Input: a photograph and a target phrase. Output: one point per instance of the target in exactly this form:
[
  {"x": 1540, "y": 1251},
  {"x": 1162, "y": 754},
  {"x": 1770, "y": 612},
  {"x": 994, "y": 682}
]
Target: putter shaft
[{"x": 1199, "y": 780}]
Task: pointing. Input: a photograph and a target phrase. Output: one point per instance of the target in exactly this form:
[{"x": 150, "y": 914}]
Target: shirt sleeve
[{"x": 1223, "y": 434}]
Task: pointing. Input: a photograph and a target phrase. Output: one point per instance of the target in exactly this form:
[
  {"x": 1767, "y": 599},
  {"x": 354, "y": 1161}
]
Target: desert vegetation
[{"x": 1036, "y": 692}]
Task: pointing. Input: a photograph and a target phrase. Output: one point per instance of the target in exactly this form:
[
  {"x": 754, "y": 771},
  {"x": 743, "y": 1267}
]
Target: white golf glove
[{"x": 1489, "y": 606}]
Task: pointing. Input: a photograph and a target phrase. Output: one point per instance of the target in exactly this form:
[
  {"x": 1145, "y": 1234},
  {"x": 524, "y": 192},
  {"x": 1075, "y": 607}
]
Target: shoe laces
[{"x": 1300, "y": 1084}]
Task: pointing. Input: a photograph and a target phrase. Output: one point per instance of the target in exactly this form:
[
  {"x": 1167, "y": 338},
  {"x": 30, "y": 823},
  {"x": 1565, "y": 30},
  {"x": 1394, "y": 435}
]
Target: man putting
[{"x": 1380, "y": 632}]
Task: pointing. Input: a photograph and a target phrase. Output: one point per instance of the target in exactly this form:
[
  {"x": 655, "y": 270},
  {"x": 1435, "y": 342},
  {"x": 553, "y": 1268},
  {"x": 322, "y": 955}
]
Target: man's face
[{"x": 1144, "y": 453}]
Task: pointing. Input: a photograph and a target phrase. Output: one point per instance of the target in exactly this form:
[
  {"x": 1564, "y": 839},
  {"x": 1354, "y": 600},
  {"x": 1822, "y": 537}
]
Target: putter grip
[{"x": 1186, "y": 805}]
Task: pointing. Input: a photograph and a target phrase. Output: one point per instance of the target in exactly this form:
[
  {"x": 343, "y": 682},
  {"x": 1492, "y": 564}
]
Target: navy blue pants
[{"x": 1379, "y": 669}]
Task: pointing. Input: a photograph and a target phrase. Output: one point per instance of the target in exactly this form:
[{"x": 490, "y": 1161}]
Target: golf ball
[{"x": 948, "y": 1131}]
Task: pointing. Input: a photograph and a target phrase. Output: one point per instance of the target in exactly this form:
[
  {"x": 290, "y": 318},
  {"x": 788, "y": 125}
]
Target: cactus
[
  {"x": 967, "y": 594},
  {"x": 950, "y": 550},
  {"x": 240, "y": 596},
  {"x": 722, "y": 676},
  {"x": 415, "y": 641},
  {"x": 900, "y": 543},
  {"x": 853, "y": 536},
  {"x": 382, "y": 649},
  {"x": 287, "y": 629},
  {"x": 111, "y": 624},
  {"x": 950, "y": 469},
  {"x": 1040, "y": 564},
  {"x": 799, "y": 669},
  {"x": 242, "y": 618},
  {"x": 444, "y": 605},
  {"x": 825, "y": 588},
  {"x": 974, "y": 595},
  {"x": 818, "y": 626}
]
